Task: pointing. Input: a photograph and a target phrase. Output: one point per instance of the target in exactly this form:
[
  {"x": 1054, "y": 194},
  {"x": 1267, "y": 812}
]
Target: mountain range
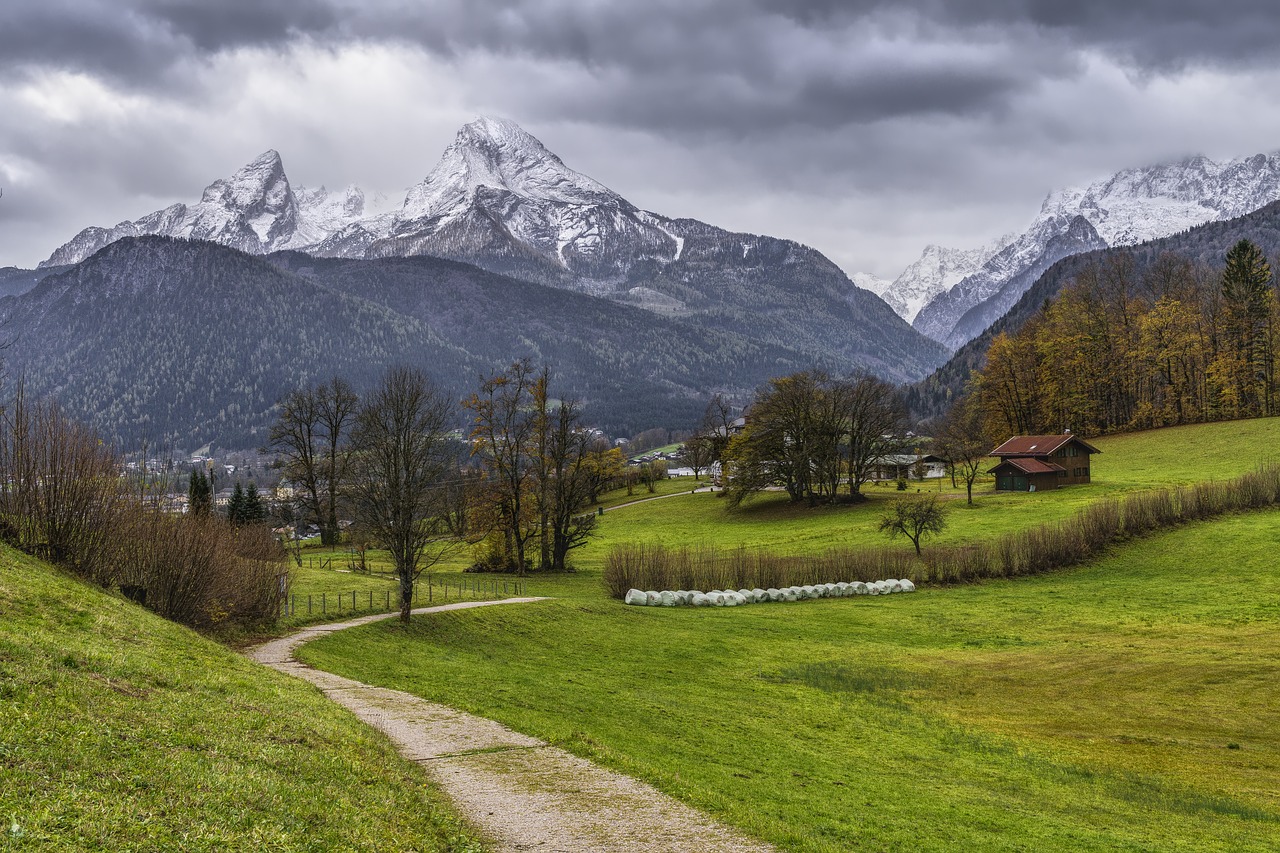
[
  {"x": 1204, "y": 245},
  {"x": 953, "y": 296},
  {"x": 187, "y": 324}
]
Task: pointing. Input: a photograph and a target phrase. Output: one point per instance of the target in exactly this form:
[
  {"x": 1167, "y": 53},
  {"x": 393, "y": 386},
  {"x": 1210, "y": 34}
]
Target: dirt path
[
  {"x": 697, "y": 491},
  {"x": 523, "y": 793}
]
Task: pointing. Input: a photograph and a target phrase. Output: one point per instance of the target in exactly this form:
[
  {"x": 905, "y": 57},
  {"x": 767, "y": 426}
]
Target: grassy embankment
[
  {"x": 121, "y": 731},
  {"x": 1130, "y": 704}
]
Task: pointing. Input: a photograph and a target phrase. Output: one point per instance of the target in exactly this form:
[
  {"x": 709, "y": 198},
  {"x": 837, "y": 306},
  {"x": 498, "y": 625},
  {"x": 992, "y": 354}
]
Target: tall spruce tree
[
  {"x": 1247, "y": 294},
  {"x": 235, "y": 506},
  {"x": 253, "y": 510},
  {"x": 199, "y": 493}
]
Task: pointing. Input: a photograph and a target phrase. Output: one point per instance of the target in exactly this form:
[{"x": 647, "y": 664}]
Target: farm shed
[{"x": 1039, "y": 462}]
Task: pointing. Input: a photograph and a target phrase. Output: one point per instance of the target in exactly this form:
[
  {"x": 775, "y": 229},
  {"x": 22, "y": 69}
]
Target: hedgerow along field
[
  {"x": 122, "y": 731},
  {"x": 1128, "y": 704}
]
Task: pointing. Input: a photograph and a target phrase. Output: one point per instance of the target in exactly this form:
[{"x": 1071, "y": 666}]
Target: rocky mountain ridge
[{"x": 1127, "y": 208}]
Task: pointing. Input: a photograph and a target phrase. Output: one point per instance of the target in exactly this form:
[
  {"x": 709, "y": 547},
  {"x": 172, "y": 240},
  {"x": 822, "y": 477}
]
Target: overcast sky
[{"x": 866, "y": 129}]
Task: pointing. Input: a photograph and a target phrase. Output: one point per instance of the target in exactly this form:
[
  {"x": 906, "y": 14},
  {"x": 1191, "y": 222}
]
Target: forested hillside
[
  {"x": 177, "y": 342},
  {"x": 1138, "y": 275}
]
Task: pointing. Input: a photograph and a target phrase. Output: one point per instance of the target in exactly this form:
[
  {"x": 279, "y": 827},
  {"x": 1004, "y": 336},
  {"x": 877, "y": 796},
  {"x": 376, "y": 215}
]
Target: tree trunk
[{"x": 406, "y": 597}]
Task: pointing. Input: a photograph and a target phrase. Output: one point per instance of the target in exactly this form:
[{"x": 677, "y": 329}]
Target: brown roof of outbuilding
[
  {"x": 1040, "y": 445},
  {"x": 1029, "y": 465}
]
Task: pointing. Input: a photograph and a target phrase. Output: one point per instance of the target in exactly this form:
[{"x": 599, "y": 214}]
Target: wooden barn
[{"x": 1033, "y": 463}]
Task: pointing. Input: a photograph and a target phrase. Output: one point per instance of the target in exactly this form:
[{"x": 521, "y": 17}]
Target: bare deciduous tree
[
  {"x": 400, "y": 465},
  {"x": 311, "y": 433},
  {"x": 502, "y": 429},
  {"x": 963, "y": 441}
]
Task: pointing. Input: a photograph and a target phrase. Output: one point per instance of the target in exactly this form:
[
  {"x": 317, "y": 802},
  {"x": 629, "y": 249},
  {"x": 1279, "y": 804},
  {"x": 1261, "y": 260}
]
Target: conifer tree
[
  {"x": 235, "y": 506},
  {"x": 253, "y": 510},
  {"x": 199, "y": 494},
  {"x": 1246, "y": 291}
]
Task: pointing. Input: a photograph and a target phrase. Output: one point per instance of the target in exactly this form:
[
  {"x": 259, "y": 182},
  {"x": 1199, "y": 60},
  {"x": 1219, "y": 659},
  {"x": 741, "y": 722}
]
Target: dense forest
[
  {"x": 1120, "y": 350},
  {"x": 1144, "y": 269}
]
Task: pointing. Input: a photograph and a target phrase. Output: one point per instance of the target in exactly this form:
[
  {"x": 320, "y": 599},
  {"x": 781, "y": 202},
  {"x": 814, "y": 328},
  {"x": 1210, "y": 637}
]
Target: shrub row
[
  {"x": 1049, "y": 546},
  {"x": 650, "y": 566},
  {"x": 62, "y": 498},
  {"x": 1058, "y": 545}
]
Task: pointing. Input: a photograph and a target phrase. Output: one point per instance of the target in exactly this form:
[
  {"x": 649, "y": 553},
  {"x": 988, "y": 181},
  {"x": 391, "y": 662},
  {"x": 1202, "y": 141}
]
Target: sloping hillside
[
  {"x": 1206, "y": 244},
  {"x": 121, "y": 731}
]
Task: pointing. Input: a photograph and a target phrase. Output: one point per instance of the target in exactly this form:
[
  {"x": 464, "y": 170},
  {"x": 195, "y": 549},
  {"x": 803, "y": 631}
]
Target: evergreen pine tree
[
  {"x": 1246, "y": 291},
  {"x": 199, "y": 494},
  {"x": 254, "y": 512},
  {"x": 235, "y": 506}
]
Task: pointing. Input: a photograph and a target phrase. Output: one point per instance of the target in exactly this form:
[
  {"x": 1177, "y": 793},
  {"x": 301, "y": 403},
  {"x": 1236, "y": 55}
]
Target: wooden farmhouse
[{"x": 1033, "y": 463}]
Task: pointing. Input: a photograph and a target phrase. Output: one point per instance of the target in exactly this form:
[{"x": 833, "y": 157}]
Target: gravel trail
[{"x": 520, "y": 791}]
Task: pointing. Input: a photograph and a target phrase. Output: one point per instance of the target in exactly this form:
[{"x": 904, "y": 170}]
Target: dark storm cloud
[
  {"x": 674, "y": 65},
  {"x": 139, "y": 41}
]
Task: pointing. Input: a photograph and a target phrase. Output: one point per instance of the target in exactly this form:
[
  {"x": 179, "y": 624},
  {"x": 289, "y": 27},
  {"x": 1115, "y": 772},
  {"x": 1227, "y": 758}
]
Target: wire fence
[{"x": 438, "y": 590}]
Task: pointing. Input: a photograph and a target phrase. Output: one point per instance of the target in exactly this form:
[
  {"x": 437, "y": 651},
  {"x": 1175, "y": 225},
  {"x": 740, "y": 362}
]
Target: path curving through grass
[{"x": 520, "y": 791}]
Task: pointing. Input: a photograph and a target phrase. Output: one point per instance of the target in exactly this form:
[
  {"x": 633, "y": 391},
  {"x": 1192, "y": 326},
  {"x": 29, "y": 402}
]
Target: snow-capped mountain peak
[
  {"x": 254, "y": 210},
  {"x": 497, "y": 154},
  {"x": 938, "y": 269},
  {"x": 1131, "y": 206}
]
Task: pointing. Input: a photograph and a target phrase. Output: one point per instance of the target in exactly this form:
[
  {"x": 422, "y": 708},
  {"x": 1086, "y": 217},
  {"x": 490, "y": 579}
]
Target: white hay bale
[
  {"x": 655, "y": 599},
  {"x": 760, "y": 594},
  {"x": 667, "y": 598},
  {"x": 716, "y": 597},
  {"x": 774, "y": 593},
  {"x": 907, "y": 586},
  {"x": 790, "y": 594},
  {"x": 748, "y": 597},
  {"x": 635, "y": 597},
  {"x": 699, "y": 599}
]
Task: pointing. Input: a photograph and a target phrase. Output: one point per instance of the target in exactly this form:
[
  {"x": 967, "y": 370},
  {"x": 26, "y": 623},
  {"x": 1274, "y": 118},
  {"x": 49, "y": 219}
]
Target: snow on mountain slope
[
  {"x": 938, "y": 270},
  {"x": 499, "y": 197},
  {"x": 1129, "y": 207},
  {"x": 255, "y": 210}
]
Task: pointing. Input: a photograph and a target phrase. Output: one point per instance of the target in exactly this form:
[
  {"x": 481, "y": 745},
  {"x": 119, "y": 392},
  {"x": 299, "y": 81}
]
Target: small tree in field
[{"x": 913, "y": 518}]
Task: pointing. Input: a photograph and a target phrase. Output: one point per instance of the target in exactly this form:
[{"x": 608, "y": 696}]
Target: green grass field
[
  {"x": 1091, "y": 710},
  {"x": 121, "y": 731},
  {"x": 1133, "y": 704},
  {"x": 1127, "y": 463}
]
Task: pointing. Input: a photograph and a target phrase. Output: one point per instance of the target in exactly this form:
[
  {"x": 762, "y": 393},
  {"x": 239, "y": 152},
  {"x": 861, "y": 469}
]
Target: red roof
[
  {"x": 1040, "y": 445},
  {"x": 1029, "y": 465}
]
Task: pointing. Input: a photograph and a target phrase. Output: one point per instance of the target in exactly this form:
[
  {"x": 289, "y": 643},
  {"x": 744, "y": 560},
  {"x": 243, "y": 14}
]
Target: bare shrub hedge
[
  {"x": 62, "y": 498},
  {"x": 706, "y": 567}
]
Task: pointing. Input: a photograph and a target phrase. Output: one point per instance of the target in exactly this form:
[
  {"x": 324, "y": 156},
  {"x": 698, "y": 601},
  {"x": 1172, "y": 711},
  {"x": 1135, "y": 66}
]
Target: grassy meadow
[
  {"x": 122, "y": 731},
  {"x": 1131, "y": 704}
]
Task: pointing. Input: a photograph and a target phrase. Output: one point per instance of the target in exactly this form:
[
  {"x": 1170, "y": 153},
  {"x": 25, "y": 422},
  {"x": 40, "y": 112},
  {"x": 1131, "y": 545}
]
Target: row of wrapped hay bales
[{"x": 733, "y": 598}]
